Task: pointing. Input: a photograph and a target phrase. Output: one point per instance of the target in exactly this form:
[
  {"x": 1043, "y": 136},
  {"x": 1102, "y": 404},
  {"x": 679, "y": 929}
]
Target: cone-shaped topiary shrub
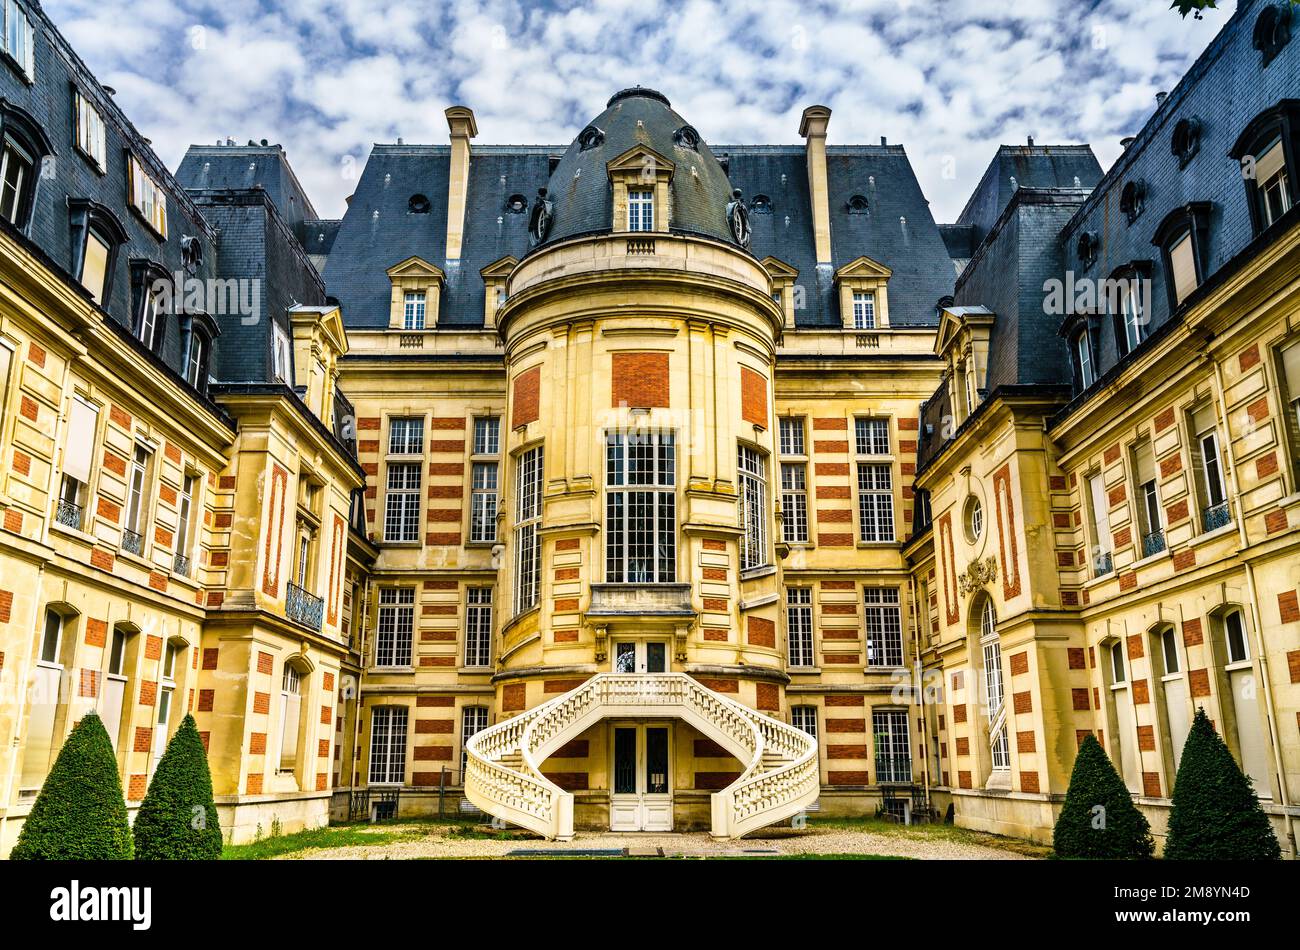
[
  {"x": 177, "y": 819},
  {"x": 1216, "y": 816},
  {"x": 1099, "y": 819},
  {"x": 80, "y": 814}
]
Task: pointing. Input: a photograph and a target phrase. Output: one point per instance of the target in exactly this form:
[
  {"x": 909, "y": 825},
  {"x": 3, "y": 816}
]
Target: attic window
[
  {"x": 590, "y": 137},
  {"x": 762, "y": 204},
  {"x": 1272, "y": 31},
  {"x": 1133, "y": 199},
  {"x": 191, "y": 252},
  {"x": 858, "y": 204},
  {"x": 419, "y": 204},
  {"x": 516, "y": 204},
  {"x": 1186, "y": 140},
  {"x": 687, "y": 137},
  {"x": 1087, "y": 248}
]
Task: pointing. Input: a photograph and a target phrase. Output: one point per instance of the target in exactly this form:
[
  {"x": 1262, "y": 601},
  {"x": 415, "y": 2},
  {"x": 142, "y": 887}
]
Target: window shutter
[
  {"x": 1145, "y": 463},
  {"x": 1270, "y": 163},
  {"x": 1100, "y": 514},
  {"x": 1182, "y": 259},
  {"x": 77, "y": 450}
]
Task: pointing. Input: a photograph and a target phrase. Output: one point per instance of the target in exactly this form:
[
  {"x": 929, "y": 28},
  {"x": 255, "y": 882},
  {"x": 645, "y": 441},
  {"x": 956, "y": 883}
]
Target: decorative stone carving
[
  {"x": 979, "y": 574},
  {"x": 738, "y": 219},
  {"x": 539, "y": 222}
]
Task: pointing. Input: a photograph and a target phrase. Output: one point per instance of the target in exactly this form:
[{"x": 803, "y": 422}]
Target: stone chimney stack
[
  {"x": 813, "y": 131},
  {"x": 460, "y": 120}
]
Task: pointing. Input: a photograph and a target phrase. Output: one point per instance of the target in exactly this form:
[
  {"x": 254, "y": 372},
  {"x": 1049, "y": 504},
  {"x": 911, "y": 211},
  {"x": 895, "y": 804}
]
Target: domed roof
[{"x": 579, "y": 190}]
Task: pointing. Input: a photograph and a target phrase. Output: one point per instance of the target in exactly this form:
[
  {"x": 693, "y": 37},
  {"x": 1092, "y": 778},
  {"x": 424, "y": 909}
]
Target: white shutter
[
  {"x": 78, "y": 450},
  {"x": 1183, "y": 262},
  {"x": 1270, "y": 163}
]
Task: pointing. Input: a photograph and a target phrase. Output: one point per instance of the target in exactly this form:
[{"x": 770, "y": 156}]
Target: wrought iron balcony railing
[
  {"x": 132, "y": 542},
  {"x": 893, "y": 768},
  {"x": 303, "y": 607},
  {"x": 1153, "y": 543},
  {"x": 1215, "y": 516},
  {"x": 1102, "y": 564},
  {"x": 182, "y": 565},
  {"x": 68, "y": 514}
]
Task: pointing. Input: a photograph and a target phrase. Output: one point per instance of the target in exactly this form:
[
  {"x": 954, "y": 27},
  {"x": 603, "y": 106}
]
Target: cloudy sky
[{"x": 949, "y": 79}]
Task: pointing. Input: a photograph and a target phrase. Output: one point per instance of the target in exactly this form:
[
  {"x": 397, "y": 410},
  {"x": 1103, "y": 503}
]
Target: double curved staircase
[{"x": 503, "y": 775}]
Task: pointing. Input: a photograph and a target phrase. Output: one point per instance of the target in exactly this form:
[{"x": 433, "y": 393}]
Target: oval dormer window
[
  {"x": 1132, "y": 200},
  {"x": 687, "y": 137},
  {"x": 516, "y": 204},
  {"x": 1186, "y": 140},
  {"x": 1087, "y": 248},
  {"x": 858, "y": 204},
  {"x": 590, "y": 138},
  {"x": 1272, "y": 31},
  {"x": 762, "y": 204},
  {"x": 418, "y": 204}
]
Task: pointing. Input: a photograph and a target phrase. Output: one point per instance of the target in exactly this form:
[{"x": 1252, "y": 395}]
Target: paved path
[{"x": 440, "y": 843}]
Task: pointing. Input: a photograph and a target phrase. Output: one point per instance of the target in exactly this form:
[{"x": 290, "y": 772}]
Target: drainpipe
[
  {"x": 919, "y": 680},
  {"x": 1253, "y": 593}
]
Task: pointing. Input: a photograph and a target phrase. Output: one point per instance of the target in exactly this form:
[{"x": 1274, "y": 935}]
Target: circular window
[
  {"x": 858, "y": 204},
  {"x": 974, "y": 518},
  {"x": 516, "y": 204},
  {"x": 418, "y": 204},
  {"x": 590, "y": 137}
]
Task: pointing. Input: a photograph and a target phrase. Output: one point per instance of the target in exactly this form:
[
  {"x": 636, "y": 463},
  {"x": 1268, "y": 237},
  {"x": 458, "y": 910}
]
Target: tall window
[
  {"x": 1288, "y": 371},
  {"x": 875, "y": 503},
  {"x": 388, "y": 745},
  {"x": 1150, "y": 519},
  {"x": 393, "y": 634},
  {"x": 640, "y": 508},
  {"x": 137, "y": 500},
  {"x": 290, "y": 710},
  {"x": 90, "y": 131},
  {"x": 882, "y": 616},
  {"x": 413, "y": 312},
  {"x": 794, "y": 502},
  {"x": 196, "y": 360},
  {"x": 804, "y": 718},
  {"x": 1083, "y": 352},
  {"x": 1130, "y": 308},
  {"x": 799, "y": 625},
  {"x": 478, "y": 626},
  {"x": 892, "y": 745},
  {"x": 94, "y": 265},
  {"x": 148, "y": 328},
  {"x": 483, "y": 478},
  {"x": 406, "y": 436},
  {"x": 16, "y": 166},
  {"x": 864, "y": 311},
  {"x": 184, "y": 523},
  {"x": 1099, "y": 508},
  {"x": 78, "y": 455},
  {"x": 641, "y": 210},
  {"x": 791, "y": 440},
  {"x": 528, "y": 518},
  {"x": 752, "y": 469},
  {"x": 18, "y": 37},
  {"x": 1273, "y": 186},
  {"x": 147, "y": 197},
  {"x": 992, "y": 650},
  {"x": 402, "y": 511},
  {"x": 281, "y": 355},
  {"x": 473, "y": 719},
  {"x": 1242, "y": 699},
  {"x": 1182, "y": 261},
  {"x": 1207, "y": 461}
]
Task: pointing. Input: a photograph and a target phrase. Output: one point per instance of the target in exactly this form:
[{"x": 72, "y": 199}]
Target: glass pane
[
  {"x": 625, "y": 761},
  {"x": 625, "y": 658},
  {"x": 656, "y": 754},
  {"x": 656, "y": 658}
]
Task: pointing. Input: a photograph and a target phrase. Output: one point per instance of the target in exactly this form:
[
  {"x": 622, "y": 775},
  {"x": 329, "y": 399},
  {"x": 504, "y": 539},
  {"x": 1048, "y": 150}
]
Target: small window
[
  {"x": 872, "y": 436},
  {"x": 1273, "y": 183},
  {"x": 196, "y": 363},
  {"x": 589, "y": 138},
  {"x": 640, "y": 211},
  {"x": 1186, "y": 140},
  {"x": 1272, "y": 31},
  {"x": 1117, "y": 669},
  {"x": 687, "y": 137},
  {"x": 791, "y": 435},
  {"x": 406, "y": 436},
  {"x": 487, "y": 435},
  {"x": 974, "y": 518},
  {"x": 1132, "y": 200},
  {"x": 170, "y": 652},
  {"x": 51, "y": 638},
  {"x": 1183, "y": 267},
  {"x": 418, "y": 204},
  {"x": 1083, "y": 357},
  {"x": 804, "y": 718},
  {"x": 147, "y": 197},
  {"x": 1086, "y": 248},
  {"x": 1234, "y": 635},
  {"x": 413, "y": 310},
  {"x": 858, "y": 204},
  {"x": 1169, "y": 647},
  {"x": 864, "y": 311},
  {"x": 761, "y": 204},
  {"x": 91, "y": 139},
  {"x": 281, "y": 355}
]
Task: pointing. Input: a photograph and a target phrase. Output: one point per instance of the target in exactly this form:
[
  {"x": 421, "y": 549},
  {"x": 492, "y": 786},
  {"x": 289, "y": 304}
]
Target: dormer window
[
  {"x": 413, "y": 315},
  {"x": 590, "y": 137},
  {"x": 199, "y": 330},
  {"x": 418, "y": 204},
  {"x": 762, "y": 205},
  {"x": 1272, "y": 31},
  {"x": 147, "y": 197},
  {"x": 91, "y": 139},
  {"x": 516, "y": 204},
  {"x": 23, "y": 146},
  {"x": 16, "y": 168},
  {"x": 17, "y": 38},
  {"x": 1132, "y": 200},
  {"x": 151, "y": 288},
  {"x": 1267, "y": 150},
  {"x": 1127, "y": 297},
  {"x": 1186, "y": 140},
  {"x": 1086, "y": 248},
  {"x": 96, "y": 236},
  {"x": 863, "y": 295},
  {"x": 1182, "y": 239},
  {"x": 640, "y": 210},
  {"x": 687, "y": 137},
  {"x": 858, "y": 204},
  {"x": 864, "y": 310},
  {"x": 1083, "y": 358}
]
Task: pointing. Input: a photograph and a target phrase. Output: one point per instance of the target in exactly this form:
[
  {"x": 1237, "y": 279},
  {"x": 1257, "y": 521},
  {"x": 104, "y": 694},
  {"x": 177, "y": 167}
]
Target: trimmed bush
[
  {"x": 177, "y": 819},
  {"x": 80, "y": 814},
  {"x": 1216, "y": 816},
  {"x": 1099, "y": 819}
]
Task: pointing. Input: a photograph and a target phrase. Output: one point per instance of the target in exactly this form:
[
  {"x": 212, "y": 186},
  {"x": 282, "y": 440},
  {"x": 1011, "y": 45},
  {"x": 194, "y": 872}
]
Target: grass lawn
[{"x": 333, "y": 836}]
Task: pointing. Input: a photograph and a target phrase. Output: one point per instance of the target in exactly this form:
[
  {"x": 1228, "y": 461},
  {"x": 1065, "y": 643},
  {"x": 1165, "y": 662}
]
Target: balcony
[
  {"x": 1215, "y": 516},
  {"x": 641, "y": 600},
  {"x": 132, "y": 543},
  {"x": 1153, "y": 543},
  {"x": 893, "y": 769},
  {"x": 303, "y": 607},
  {"x": 181, "y": 565},
  {"x": 68, "y": 514}
]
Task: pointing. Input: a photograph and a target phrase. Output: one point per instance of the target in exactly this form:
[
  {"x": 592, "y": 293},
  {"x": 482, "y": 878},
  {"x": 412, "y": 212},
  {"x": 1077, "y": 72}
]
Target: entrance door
[
  {"x": 641, "y": 796},
  {"x": 640, "y": 656}
]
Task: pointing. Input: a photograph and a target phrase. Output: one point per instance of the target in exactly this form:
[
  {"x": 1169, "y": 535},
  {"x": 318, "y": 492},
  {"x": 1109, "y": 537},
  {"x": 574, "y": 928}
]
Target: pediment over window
[
  {"x": 956, "y": 322},
  {"x": 417, "y": 287},
  {"x": 863, "y": 293},
  {"x": 639, "y": 158},
  {"x": 496, "y": 278},
  {"x": 863, "y": 267},
  {"x": 414, "y": 268}
]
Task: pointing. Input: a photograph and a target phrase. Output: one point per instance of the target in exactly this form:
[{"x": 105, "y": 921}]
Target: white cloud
[{"x": 327, "y": 78}]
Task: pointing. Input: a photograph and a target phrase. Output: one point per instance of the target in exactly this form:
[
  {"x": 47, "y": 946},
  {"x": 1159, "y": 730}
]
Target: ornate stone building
[{"x": 643, "y": 483}]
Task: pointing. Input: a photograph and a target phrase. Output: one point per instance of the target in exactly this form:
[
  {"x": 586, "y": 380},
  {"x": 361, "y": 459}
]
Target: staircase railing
[{"x": 761, "y": 795}]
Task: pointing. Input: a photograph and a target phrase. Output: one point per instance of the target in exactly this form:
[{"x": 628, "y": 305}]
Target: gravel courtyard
[{"x": 444, "y": 841}]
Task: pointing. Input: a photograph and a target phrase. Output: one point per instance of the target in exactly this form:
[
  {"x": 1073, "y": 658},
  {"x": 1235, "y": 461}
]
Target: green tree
[
  {"x": 1216, "y": 816},
  {"x": 80, "y": 814},
  {"x": 178, "y": 819},
  {"x": 1099, "y": 819}
]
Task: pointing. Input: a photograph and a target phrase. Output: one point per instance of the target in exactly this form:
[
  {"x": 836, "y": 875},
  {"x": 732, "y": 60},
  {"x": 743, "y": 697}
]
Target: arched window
[
  {"x": 1268, "y": 150},
  {"x": 23, "y": 146},
  {"x": 1186, "y": 140},
  {"x": 991, "y": 651},
  {"x": 1175, "y": 711},
  {"x": 1133, "y": 200},
  {"x": 1272, "y": 31},
  {"x": 1120, "y": 717},
  {"x": 290, "y": 717},
  {"x": 1243, "y": 727},
  {"x": 1183, "y": 239},
  {"x": 97, "y": 236}
]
